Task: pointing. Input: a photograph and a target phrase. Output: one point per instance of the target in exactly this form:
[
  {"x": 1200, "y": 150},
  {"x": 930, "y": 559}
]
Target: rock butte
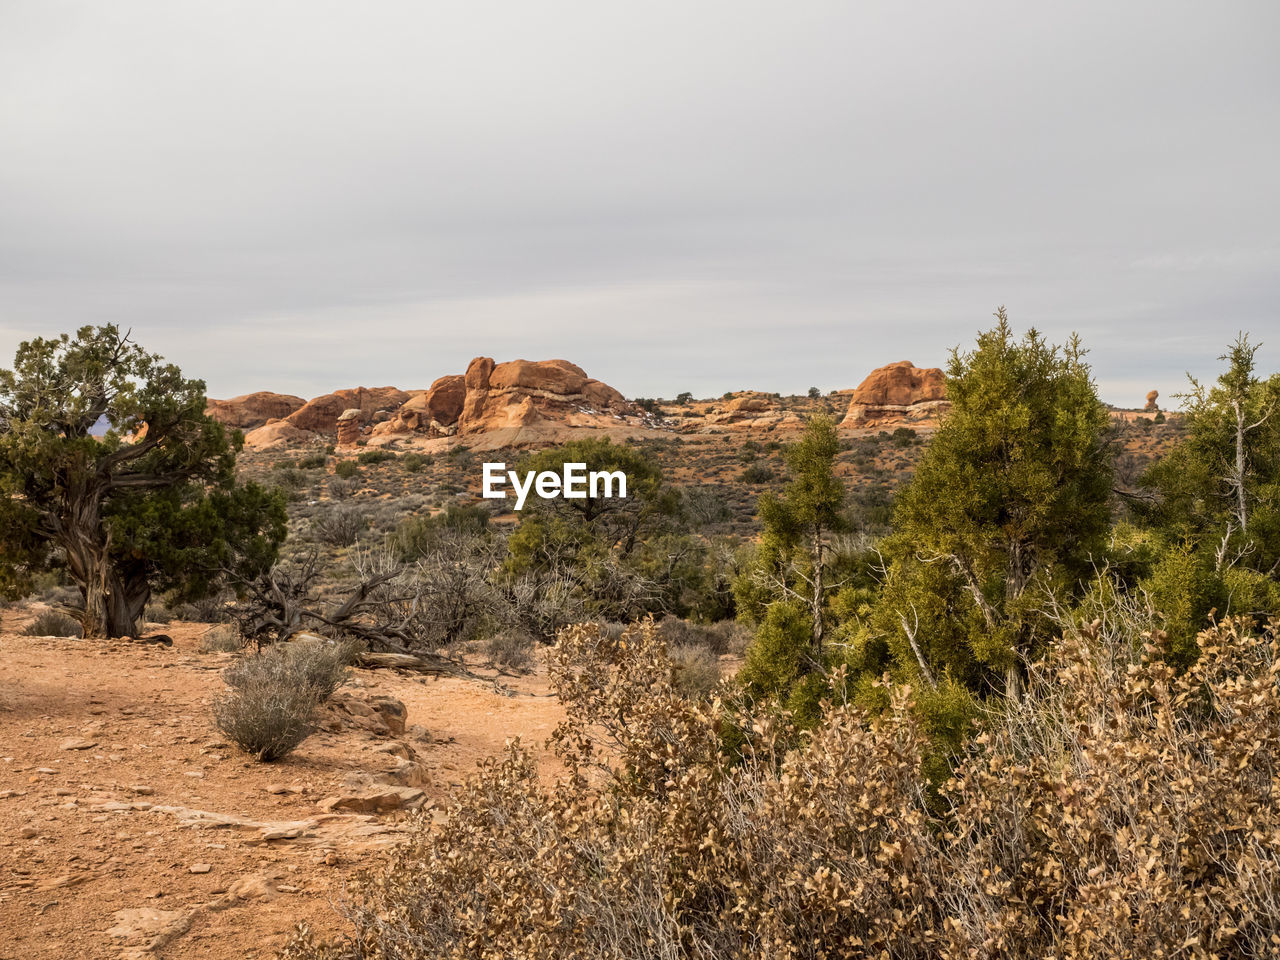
[
  {"x": 522, "y": 403},
  {"x": 898, "y": 391}
]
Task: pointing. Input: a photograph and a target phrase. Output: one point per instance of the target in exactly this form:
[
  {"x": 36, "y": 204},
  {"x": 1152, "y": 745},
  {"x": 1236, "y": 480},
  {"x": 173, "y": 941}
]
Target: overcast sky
[{"x": 683, "y": 195}]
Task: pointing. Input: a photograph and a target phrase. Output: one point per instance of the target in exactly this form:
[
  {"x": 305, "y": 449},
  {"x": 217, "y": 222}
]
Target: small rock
[
  {"x": 63, "y": 792},
  {"x": 141, "y": 790},
  {"x": 78, "y": 743},
  {"x": 200, "y": 868},
  {"x": 277, "y": 788},
  {"x": 408, "y": 773},
  {"x": 397, "y": 748},
  {"x": 27, "y": 833},
  {"x": 374, "y": 801}
]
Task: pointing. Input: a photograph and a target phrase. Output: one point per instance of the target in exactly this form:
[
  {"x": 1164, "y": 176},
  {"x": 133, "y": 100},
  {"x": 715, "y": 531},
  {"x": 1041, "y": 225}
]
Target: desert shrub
[
  {"x": 718, "y": 638},
  {"x": 512, "y": 649},
  {"x": 52, "y": 623},
  {"x": 377, "y": 455},
  {"x": 211, "y": 609},
  {"x": 273, "y": 695},
  {"x": 903, "y": 437},
  {"x": 696, "y": 670},
  {"x": 339, "y": 526},
  {"x": 221, "y": 638},
  {"x": 419, "y": 536},
  {"x": 312, "y": 461},
  {"x": 756, "y": 473},
  {"x": 289, "y": 477},
  {"x": 157, "y": 613},
  {"x": 346, "y": 469},
  {"x": 1118, "y": 810},
  {"x": 416, "y": 462},
  {"x": 341, "y": 489},
  {"x": 1183, "y": 588}
]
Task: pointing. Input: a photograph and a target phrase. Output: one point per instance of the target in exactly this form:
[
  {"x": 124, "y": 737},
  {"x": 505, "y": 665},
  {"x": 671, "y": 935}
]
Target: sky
[{"x": 701, "y": 195}]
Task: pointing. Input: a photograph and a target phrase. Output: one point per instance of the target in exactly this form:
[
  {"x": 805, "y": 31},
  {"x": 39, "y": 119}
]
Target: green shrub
[
  {"x": 416, "y": 462},
  {"x": 312, "y": 462},
  {"x": 346, "y": 469},
  {"x": 757, "y": 473},
  {"x": 1184, "y": 588},
  {"x": 376, "y": 455}
]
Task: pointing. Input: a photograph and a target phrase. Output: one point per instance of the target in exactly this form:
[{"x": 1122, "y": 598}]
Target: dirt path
[{"x": 117, "y": 792}]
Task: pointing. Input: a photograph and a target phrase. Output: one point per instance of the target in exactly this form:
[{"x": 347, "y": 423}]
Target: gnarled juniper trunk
[{"x": 115, "y": 593}]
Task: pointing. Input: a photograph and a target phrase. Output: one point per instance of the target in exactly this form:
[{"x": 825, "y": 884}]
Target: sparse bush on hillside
[
  {"x": 416, "y": 462},
  {"x": 52, "y": 623},
  {"x": 1119, "y": 810},
  {"x": 346, "y": 469},
  {"x": 340, "y": 488},
  {"x": 274, "y": 694},
  {"x": 339, "y": 526},
  {"x": 377, "y": 455}
]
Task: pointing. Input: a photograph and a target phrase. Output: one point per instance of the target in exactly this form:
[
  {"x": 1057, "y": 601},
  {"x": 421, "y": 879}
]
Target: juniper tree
[
  {"x": 787, "y": 589},
  {"x": 1014, "y": 490},
  {"x": 110, "y": 469}
]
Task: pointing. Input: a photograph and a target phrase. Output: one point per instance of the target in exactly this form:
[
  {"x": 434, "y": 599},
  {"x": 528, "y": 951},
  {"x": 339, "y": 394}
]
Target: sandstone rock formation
[
  {"x": 520, "y": 392},
  {"x": 515, "y": 396},
  {"x": 253, "y": 409},
  {"x": 743, "y": 407},
  {"x": 321, "y": 414},
  {"x": 898, "y": 391},
  {"x": 276, "y": 433},
  {"x": 1152, "y": 406},
  {"x": 349, "y": 427},
  {"x": 434, "y": 412}
]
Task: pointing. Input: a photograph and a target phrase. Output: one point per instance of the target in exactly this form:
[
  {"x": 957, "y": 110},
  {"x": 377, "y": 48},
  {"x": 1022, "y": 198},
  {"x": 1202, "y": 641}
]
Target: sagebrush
[{"x": 1119, "y": 810}]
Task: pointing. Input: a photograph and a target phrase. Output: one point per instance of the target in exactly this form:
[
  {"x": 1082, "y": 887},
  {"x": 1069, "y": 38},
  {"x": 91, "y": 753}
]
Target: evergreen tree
[
  {"x": 787, "y": 588},
  {"x": 110, "y": 469},
  {"x": 1013, "y": 493}
]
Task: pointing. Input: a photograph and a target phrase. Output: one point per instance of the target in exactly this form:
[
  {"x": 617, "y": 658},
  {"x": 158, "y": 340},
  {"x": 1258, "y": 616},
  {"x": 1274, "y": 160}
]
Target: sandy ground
[{"x": 117, "y": 792}]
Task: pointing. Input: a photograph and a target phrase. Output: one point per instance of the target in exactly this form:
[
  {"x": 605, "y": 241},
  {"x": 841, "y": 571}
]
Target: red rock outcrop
[
  {"x": 321, "y": 414},
  {"x": 1152, "y": 406},
  {"x": 434, "y": 412},
  {"x": 521, "y": 392},
  {"x": 253, "y": 409},
  {"x": 276, "y": 433},
  {"x": 755, "y": 408},
  {"x": 517, "y": 395},
  {"x": 898, "y": 391}
]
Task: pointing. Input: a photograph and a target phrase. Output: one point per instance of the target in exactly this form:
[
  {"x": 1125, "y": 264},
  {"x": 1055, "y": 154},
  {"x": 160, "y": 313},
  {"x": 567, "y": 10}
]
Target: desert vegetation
[{"x": 1005, "y": 686}]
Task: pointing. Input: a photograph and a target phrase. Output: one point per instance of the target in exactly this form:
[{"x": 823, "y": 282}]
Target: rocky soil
[{"x": 129, "y": 827}]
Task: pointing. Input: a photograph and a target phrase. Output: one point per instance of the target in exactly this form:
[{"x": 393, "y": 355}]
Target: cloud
[{"x": 676, "y": 196}]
